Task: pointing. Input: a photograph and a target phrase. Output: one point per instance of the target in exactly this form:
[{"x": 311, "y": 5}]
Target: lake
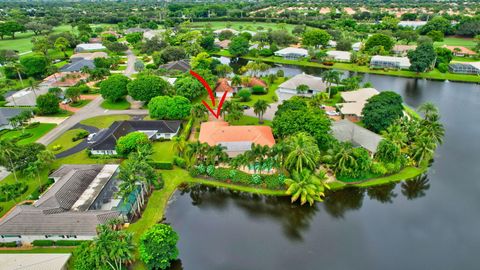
[{"x": 431, "y": 222}]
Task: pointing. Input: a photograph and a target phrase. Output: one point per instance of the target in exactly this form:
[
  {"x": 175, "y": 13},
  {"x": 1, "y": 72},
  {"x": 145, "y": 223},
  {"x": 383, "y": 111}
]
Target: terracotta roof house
[
  {"x": 402, "y": 50},
  {"x": 460, "y": 50},
  {"x": 82, "y": 197},
  {"x": 315, "y": 85},
  {"x": 68, "y": 79},
  {"x": 354, "y": 101},
  {"x": 347, "y": 131},
  {"x": 180, "y": 65},
  {"x": 254, "y": 81},
  {"x": 222, "y": 86},
  {"x": 237, "y": 139},
  {"x": 223, "y": 43},
  {"x": 104, "y": 142}
]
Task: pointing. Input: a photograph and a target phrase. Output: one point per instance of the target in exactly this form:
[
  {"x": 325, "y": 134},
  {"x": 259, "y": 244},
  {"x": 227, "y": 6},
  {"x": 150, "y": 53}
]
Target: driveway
[
  {"x": 90, "y": 110},
  {"x": 131, "y": 59},
  {"x": 3, "y": 173}
]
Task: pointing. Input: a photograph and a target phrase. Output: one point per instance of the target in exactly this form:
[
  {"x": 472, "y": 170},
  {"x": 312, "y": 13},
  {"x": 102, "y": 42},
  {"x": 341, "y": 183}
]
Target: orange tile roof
[
  {"x": 461, "y": 48},
  {"x": 223, "y": 86},
  {"x": 256, "y": 81},
  {"x": 216, "y": 132}
]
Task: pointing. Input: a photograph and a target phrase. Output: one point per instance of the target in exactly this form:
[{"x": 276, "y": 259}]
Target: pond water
[{"x": 431, "y": 222}]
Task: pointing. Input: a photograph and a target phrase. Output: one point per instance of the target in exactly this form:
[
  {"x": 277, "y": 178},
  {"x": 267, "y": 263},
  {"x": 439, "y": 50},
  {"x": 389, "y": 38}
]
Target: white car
[
  {"x": 332, "y": 113},
  {"x": 66, "y": 101},
  {"x": 90, "y": 137}
]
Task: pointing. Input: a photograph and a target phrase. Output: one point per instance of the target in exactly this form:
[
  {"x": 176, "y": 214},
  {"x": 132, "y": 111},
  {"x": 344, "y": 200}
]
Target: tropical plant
[
  {"x": 259, "y": 108},
  {"x": 158, "y": 246},
  {"x": 306, "y": 187},
  {"x": 422, "y": 149},
  {"x": 330, "y": 77},
  {"x": 302, "y": 88},
  {"x": 303, "y": 152},
  {"x": 7, "y": 153}
]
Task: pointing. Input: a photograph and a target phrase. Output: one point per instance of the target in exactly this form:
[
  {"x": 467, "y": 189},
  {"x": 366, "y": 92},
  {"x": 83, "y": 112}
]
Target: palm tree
[
  {"x": 303, "y": 152},
  {"x": 33, "y": 86},
  {"x": 423, "y": 148},
  {"x": 259, "y": 108},
  {"x": 433, "y": 130},
  {"x": 344, "y": 159},
  {"x": 429, "y": 110},
  {"x": 7, "y": 153},
  {"x": 179, "y": 144},
  {"x": 318, "y": 99},
  {"x": 331, "y": 76},
  {"x": 198, "y": 110},
  {"x": 113, "y": 248},
  {"x": 236, "y": 81},
  {"x": 19, "y": 69},
  {"x": 395, "y": 134},
  {"x": 302, "y": 88},
  {"x": 305, "y": 187}
]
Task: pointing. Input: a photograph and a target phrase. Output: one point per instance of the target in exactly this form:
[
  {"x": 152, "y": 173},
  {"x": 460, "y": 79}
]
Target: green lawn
[
  {"x": 250, "y": 121},
  {"x": 65, "y": 140},
  {"x": 455, "y": 41},
  {"x": 406, "y": 173},
  {"x": 82, "y": 158},
  {"x": 39, "y": 250},
  {"x": 123, "y": 67},
  {"x": 80, "y": 103},
  {"x": 37, "y": 132},
  {"x": 104, "y": 121},
  {"x": 120, "y": 105},
  {"x": 61, "y": 64},
  {"x": 163, "y": 151},
  {"x": 268, "y": 97}
]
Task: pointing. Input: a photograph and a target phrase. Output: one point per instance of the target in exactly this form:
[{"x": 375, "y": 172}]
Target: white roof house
[
  {"x": 235, "y": 32},
  {"x": 341, "y": 56},
  {"x": 413, "y": 24},
  {"x": 332, "y": 43},
  {"x": 354, "y": 101},
  {"x": 315, "y": 85},
  {"x": 390, "y": 62},
  {"x": 89, "y": 47},
  {"x": 36, "y": 261},
  {"x": 357, "y": 46},
  {"x": 152, "y": 33},
  {"x": 292, "y": 53}
]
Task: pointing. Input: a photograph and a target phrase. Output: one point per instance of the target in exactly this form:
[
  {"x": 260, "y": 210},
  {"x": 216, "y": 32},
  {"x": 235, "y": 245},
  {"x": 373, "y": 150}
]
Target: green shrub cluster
[
  {"x": 161, "y": 165},
  {"x": 43, "y": 243},
  {"x": 33, "y": 125},
  {"x": 10, "y": 191},
  {"x": 21, "y": 137},
  {"x": 187, "y": 128},
  {"x": 59, "y": 243},
  {"x": 258, "y": 90},
  {"x": 80, "y": 135},
  {"x": 180, "y": 162},
  {"x": 8, "y": 244}
]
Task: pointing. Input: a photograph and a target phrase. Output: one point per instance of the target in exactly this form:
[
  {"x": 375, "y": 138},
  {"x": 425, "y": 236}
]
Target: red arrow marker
[{"x": 210, "y": 93}]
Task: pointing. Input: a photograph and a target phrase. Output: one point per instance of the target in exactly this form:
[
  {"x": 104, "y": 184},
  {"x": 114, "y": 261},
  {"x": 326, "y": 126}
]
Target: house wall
[
  {"x": 291, "y": 56},
  {"x": 103, "y": 152},
  {"x": 220, "y": 94},
  {"x": 27, "y": 239}
]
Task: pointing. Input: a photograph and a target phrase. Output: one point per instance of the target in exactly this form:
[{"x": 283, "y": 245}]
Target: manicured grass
[
  {"x": 120, "y": 105},
  {"x": 251, "y": 121},
  {"x": 65, "y": 140},
  {"x": 121, "y": 67},
  {"x": 82, "y": 158},
  {"x": 250, "y": 26},
  {"x": 434, "y": 74},
  {"x": 411, "y": 112},
  {"x": 455, "y": 41},
  {"x": 80, "y": 103},
  {"x": 268, "y": 97},
  {"x": 39, "y": 250},
  {"x": 163, "y": 151},
  {"x": 37, "y": 132},
  {"x": 104, "y": 121},
  {"x": 61, "y": 64},
  {"x": 406, "y": 173}
]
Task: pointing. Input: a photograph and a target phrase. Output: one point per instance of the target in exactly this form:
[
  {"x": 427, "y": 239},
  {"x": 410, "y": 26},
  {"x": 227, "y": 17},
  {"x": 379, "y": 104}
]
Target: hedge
[
  {"x": 187, "y": 129},
  {"x": 8, "y": 244},
  {"x": 161, "y": 165},
  {"x": 69, "y": 243},
  {"x": 43, "y": 243}
]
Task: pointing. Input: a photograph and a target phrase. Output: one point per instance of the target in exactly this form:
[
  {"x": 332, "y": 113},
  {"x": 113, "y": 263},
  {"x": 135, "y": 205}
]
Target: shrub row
[
  {"x": 80, "y": 135},
  {"x": 60, "y": 243},
  {"x": 33, "y": 125},
  {"x": 8, "y": 244},
  {"x": 187, "y": 129},
  {"x": 21, "y": 137}
]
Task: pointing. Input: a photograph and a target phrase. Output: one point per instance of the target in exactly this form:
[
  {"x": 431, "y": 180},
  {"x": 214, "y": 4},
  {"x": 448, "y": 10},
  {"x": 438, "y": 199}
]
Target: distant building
[
  {"x": 152, "y": 33},
  {"x": 460, "y": 51},
  {"x": 340, "y": 56},
  {"x": 315, "y": 85},
  {"x": 464, "y": 67},
  {"x": 354, "y": 101},
  {"x": 82, "y": 197},
  {"x": 88, "y": 56},
  {"x": 85, "y": 47},
  {"x": 332, "y": 44},
  {"x": 222, "y": 86},
  {"x": 413, "y": 24},
  {"x": 254, "y": 81},
  {"x": 292, "y": 53},
  {"x": 35, "y": 261},
  {"x": 347, "y": 131},
  {"x": 223, "y": 43},
  {"x": 380, "y": 61},
  {"x": 180, "y": 65},
  {"x": 357, "y": 46},
  {"x": 402, "y": 50},
  {"x": 236, "y": 139},
  {"x": 105, "y": 141},
  {"x": 80, "y": 60}
]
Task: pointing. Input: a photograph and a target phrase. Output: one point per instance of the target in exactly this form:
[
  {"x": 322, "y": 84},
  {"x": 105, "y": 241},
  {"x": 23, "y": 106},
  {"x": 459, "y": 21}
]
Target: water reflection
[
  {"x": 415, "y": 188},
  {"x": 383, "y": 193},
  {"x": 339, "y": 202}
]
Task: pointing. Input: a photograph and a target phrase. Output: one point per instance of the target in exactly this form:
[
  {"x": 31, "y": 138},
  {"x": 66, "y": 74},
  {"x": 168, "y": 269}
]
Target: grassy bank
[{"x": 433, "y": 75}]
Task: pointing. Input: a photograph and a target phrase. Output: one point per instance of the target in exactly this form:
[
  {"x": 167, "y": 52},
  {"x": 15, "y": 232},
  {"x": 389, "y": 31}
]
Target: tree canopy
[
  {"x": 382, "y": 110},
  {"x": 114, "y": 88},
  {"x": 158, "y": 246},
  {"x": 165, "y": 107},
  {"x": 378, "y": 40},
  {"x": 48, "y": 104},
  {"x": 131, "y": 142},
  {"x": 315, "y": 37},
  {"x": 146, "y": 87},
  {"x": 238, "y": 46}
]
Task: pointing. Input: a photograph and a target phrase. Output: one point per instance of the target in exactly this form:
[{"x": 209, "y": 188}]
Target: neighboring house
[
  {"x": 95, "y": 40},
  {"x": 222, "y": 86},
  {"x": 402, "y": 50},
  {"x": 339, "y": 56},
  {"x": 380, "y": 61},
  {"x": 152, "y": 33},
  {"x": 6, "y": 114},
  {"x": 85, "y": 47},
  {"x": 460, "y": 51},
  {"x": 354, "y": 101},
  {"x": 80, "y": 60},
  {"x": 292, "y": 53},
  {"x": 82, "y": 197},
  {"x": 413, "y": 24},
  {"x": 26, "y": 97},
  {"x": 465, "y": 67},
  {"x": 217, "y": 32},
  {"x": 135, "y": 30},
  {"x": 88, "y": 56},
  {"x": 113, "y": 33},
  {"x": 347, "y": 131},
  {"x": 105, "y": 141},
  {"x": 254, "y": 81},
  {"x": 315, "y": 85},
  {"x": 180, "y": 65},
  {"x": 35, "y": 261},
  {"x": 171, "y": 81},
  {"x": 236, "y": 139},
  {"x": 357, "y": 46},
  {"x": 258, "y": 46},
  {"x": 223, "y": 44},
  {"x": 67, "y": 79}
]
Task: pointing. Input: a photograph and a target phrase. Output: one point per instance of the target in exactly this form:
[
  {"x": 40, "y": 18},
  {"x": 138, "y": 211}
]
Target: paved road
[
  {"x": 131, "y": 59},
  {"x": 92, "y": 109}
]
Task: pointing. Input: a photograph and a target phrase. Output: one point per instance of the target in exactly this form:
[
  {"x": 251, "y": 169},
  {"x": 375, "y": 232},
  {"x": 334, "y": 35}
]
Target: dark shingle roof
[
  {"x": 7, "y": 113},
  {"x": 107, "y": 139},
  {"x": 181, "y": 65},
  {"x": 78, "y": 65}
]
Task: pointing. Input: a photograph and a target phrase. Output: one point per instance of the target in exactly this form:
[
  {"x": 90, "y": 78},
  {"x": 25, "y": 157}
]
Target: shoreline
[{"x": 432, "y": 75}]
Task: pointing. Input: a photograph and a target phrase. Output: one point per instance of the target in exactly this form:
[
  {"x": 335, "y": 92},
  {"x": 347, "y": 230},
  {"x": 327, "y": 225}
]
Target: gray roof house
[
  {"x": 347, "y": 131},
  {"x": 6, "y": 114},
  {"x": 105, "y": 141},
  {"x": 180, "y": 65},
  {"x": 26, "y": 97},
  {"x": 76, "y": 66},
  {"x": 289, "y": 87},
  {"x": 81, "y": 198}
]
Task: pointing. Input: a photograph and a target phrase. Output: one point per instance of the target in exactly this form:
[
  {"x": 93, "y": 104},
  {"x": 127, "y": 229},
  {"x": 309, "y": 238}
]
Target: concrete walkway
[
  {"x": 90, "y": 110},
  {"x": 131, "y": 59}
]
